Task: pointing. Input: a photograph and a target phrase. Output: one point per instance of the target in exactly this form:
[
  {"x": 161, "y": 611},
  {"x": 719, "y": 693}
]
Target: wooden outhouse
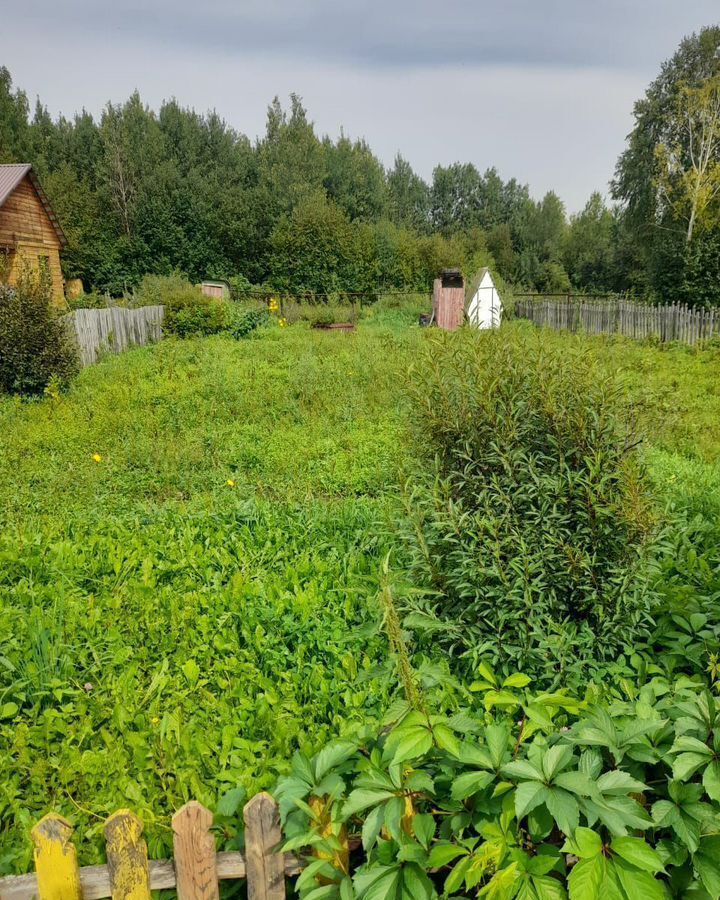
[
  {"x": 30, "y": 234},
  {"x": 449, "y": 300}
]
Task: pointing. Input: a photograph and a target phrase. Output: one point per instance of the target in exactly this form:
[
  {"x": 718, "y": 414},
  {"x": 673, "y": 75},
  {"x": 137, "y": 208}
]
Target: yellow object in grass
[{"x": 96, "y": 457}]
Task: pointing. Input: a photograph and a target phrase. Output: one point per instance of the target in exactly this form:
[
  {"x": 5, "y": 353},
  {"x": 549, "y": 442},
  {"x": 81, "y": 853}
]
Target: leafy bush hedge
[
  {"x": 528, "y": 795},
  {"x": 35, "y": 344},
  {"x": 530, "y": 519},
  {"x": 190, "y": 313}
]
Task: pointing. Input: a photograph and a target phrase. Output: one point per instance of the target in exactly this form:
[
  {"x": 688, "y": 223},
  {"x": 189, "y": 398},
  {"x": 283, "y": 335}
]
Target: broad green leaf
[
  {"x": 664, "y": 813},
  {"x": 230, "y": 801},
  {"x": 618, "y": 782},
  {"x": 415, "y": 742},
  {"x": 487, "y": 673},
  {"x": 711, "y": 780},
  {"x": 361, "y": 798},
  {"x": 577, "y": 783},
  {"x": 394, "y": 812},
  {"x": 446, "y": 739},
  {"x": 638, "y": 884},
  {"x": 585, "y": 843},
  {"x": 564, "y": 809},
  {"x": 586, "y": 879},
  {"x": 517, "y": 680},
  {"x": 496, "y": 738},
  {"x": 502, "y": 885},
  {"x": 8, "y": 710},
  {"x": 377, "y": 883},
  {"x": 522, "y": 769},
  {"x": 687, "y": 764},
  {"x": 686, "y": 743},
  {"x": 638, "y": 853},
  {"x": 372, "y": 826},
  {"x": 457, "y": 875},
  {"x": 548, "y": 888},
  {"x": 415, "y": 884},
  {"x": 325, "y": 892},
  {"x": 707, "y": 864},
  {"x": 470, "y": 783},
  {"x": 556, "y": 759},
  {"x": 333, "y": 755},
  {"x": 528, "y": 795},
  {"x": 537, "y": 714},
  {"x": 500, "y": 698},
  {"x": 442, "y": 854},
  {"x": 423, "y": 826}
]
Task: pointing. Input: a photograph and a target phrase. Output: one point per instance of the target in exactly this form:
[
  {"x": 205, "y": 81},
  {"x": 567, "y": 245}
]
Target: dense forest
[{"x": 142, "y": 191}]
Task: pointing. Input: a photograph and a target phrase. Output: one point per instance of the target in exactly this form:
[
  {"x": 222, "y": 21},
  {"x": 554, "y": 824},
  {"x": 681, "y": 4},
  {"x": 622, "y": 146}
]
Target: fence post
[
  {"x": 127, "y": 857},
  {"x": 194, "y": 852},
  {"x": 265, "y": 867},
  {"x": 58, "y": 876}
]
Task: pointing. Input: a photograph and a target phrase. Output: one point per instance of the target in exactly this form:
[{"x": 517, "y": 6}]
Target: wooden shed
[
  {"x": 30, "y": 234},
  {"x": 449, "y": 300},
  {"x": 218, "y": 289}
]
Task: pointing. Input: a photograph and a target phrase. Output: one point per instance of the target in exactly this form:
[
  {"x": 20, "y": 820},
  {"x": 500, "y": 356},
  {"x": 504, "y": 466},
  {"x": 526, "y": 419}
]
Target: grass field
[{"x": 184, "y": 610}]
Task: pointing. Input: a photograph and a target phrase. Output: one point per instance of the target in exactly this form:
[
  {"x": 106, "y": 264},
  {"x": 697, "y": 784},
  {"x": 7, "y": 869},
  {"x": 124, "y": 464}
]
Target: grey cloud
[{"x": 402, "y": 33}]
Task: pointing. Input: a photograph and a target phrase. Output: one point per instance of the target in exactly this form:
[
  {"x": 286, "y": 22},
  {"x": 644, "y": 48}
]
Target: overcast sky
[{"x": 541, "y": 89}]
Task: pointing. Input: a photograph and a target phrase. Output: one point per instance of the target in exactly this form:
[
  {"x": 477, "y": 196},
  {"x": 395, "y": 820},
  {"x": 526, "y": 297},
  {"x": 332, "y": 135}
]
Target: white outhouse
[{"x": 484, "y": 309}]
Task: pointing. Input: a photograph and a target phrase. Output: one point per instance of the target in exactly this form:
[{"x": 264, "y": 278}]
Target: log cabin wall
[{"x": 30, "y": 239}]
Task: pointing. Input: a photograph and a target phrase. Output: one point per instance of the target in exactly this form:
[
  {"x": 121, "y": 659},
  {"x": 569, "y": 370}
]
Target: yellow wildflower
[
  {"x": 96, "y": 457},
  {"x": 230, "y": 482},
  {"x": 282, "y": 322}
]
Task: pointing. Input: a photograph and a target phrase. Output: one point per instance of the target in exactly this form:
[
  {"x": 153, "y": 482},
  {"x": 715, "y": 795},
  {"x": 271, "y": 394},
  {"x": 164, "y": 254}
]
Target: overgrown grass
[{"x": 181, "y": 614}]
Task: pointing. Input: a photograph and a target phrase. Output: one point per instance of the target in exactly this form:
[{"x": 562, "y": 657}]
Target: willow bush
[
  {"x": 36, "y": 347},
  {"x": 529, "y": 517}
]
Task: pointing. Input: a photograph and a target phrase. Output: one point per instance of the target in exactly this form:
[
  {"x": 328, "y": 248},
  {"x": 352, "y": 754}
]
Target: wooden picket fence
[
  {"x": 194, "y": 872},
  {"x": 114, "y": 329},
  {"x": 674, "y": 322}
]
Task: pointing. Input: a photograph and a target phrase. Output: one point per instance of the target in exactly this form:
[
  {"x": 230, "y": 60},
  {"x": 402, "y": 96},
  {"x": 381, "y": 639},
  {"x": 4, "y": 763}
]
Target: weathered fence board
[
  {"x": 265, "y": 869},
  {"x": 114, "y": 329},
  {"x": 675, "y": 322},
  {"x": 195, "y": 870}
]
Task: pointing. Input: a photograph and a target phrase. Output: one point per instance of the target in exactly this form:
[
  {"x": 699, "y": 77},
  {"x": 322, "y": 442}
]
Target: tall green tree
[
  {"x": 408, "y": 196},
  {"x": 656, "y": 179}
]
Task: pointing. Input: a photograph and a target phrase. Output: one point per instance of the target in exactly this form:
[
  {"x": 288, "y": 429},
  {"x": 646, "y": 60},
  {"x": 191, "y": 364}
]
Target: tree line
[{"x": 141, "y": 191}]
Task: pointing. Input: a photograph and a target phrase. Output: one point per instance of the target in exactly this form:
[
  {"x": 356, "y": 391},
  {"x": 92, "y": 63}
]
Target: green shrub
[
  {"x": 526, "y": 795},
  {"x": 172, "y": 291},
  {"x": 530, "y": 518},
  {"x": 245, "y": 321},
  {"x": 328, "y": 313},
  {"x": 207, "y": 316},
  {"x": 35, "y": 344},
  {"x": 92, "y": 300}
]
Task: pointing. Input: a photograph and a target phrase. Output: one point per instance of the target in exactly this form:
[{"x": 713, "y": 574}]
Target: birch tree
[{"x": 688, "y": 176}]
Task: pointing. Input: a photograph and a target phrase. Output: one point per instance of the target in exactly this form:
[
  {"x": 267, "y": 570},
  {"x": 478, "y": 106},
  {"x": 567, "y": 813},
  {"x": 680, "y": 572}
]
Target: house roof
[{"x": 10, "y": 177}]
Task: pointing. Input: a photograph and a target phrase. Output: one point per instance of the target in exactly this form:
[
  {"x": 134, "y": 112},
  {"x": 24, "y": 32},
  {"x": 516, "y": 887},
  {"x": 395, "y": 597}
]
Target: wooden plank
[
  {"x": 265, "y": 867},
  {"x": 194, "y": 852},
  {"x": 56, "y": 867},
  {"x": 127, "y": 857}
]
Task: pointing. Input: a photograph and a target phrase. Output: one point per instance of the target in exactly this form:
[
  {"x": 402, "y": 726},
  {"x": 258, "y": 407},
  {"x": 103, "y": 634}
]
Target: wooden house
[{"x": 30, "y": 234}]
